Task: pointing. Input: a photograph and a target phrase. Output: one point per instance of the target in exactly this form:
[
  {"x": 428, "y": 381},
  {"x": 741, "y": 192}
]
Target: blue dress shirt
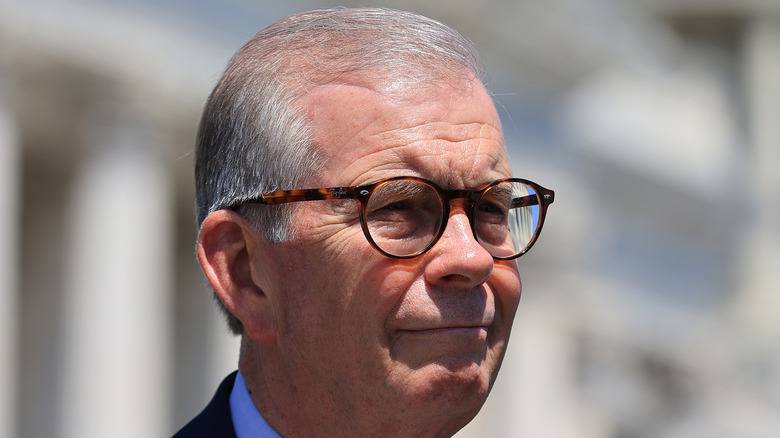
[{"x": 247, "y": 420}]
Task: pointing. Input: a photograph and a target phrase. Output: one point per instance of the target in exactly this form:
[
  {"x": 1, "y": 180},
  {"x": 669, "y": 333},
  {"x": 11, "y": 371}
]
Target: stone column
[
  {"x": 9, "y": 268},
  {"x": 115, "y": 373},
  {"x": 759, "y": 276}
]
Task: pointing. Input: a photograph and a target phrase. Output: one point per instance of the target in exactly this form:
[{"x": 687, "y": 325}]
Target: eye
[
  {"x": 402, "y": 197},
  {"x": 491, "y": 208},
  {"x": 388, "y": 206},
  {"x": 490, "y": 212},
  {"x": 394, "y": 213},
  {"x": 397, "y": 206}
]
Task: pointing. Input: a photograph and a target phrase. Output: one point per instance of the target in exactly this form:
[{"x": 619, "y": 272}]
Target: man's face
[{"x": 394, "y": 343}]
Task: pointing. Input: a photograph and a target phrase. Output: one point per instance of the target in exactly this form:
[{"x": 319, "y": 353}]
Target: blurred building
[{"x": 651, "y": 304}]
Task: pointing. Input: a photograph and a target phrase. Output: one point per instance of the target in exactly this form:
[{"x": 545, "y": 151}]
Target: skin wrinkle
[
  {"x": 311, "y": 93},
  {"x": 431, "y": 148},
  {"x": 400, "y": 134},
  {"x": 439, "y": 140},
  {"x": 352, "y": 308},
  {"x": 346, "y": 225}
]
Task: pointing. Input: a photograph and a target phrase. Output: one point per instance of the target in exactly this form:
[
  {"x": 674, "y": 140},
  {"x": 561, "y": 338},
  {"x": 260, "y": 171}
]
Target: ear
[{"x": 225, "y": 246}]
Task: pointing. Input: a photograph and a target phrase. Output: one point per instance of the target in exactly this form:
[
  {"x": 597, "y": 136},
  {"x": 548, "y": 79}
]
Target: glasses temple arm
[{"x": 525, "y": 201}]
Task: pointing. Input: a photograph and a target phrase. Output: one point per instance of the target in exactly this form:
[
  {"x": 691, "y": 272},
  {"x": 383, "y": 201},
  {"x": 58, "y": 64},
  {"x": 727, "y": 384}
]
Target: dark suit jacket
[{"x": 215, "y": 420}]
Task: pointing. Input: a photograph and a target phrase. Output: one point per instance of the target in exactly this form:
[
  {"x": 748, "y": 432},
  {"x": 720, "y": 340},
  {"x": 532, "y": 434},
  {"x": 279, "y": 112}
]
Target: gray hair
[{"x": 253, "y": 138}]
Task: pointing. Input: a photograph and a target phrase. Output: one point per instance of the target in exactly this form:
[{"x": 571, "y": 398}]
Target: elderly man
[{"x": 359, "y": 224}]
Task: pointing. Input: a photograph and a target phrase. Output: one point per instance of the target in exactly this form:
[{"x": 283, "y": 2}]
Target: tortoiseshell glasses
[{"x": 405, "y": 216}]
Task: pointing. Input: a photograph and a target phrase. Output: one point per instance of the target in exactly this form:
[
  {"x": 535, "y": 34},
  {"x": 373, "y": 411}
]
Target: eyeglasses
[{"x": 405, "y": 216}]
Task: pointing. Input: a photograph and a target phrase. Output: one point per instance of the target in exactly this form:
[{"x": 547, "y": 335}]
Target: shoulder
[{"x": 215, "y": 420}]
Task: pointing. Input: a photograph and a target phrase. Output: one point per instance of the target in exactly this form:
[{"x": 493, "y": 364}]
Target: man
[{"x": 358, "y": 224}]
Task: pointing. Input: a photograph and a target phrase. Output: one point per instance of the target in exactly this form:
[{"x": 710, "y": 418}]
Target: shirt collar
[{"x": 247, "y": 421}]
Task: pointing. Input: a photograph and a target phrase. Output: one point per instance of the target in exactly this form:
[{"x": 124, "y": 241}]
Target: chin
[
  {"x": 446, "y": 394},
  {"x": 456, "y": 384}
]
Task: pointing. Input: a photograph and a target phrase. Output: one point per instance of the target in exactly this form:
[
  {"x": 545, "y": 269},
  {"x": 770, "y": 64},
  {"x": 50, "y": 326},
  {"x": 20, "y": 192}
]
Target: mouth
[
  {"x": 452, "y": 330},
  {"x": 435, "y": 325},
  {"x": 457, "y": 337},
  {"x": 453, "y": 347}
]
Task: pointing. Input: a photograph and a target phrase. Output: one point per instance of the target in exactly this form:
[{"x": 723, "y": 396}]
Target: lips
[
  {"x": 453, "y": 328},
  {"x": 455, "y": 338},
  {"x": 433, "y": 323},
  {"x": 451, "y": 345},
  {"x": 464, "y": 332},
  {"x": 442, "y": 315}
]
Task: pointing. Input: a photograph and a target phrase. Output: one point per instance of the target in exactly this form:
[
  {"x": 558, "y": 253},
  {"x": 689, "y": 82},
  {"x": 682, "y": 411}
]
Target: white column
[
  {"x": 115, "y": 380},
  {"x": 9, "y": 254},
  {"x": 759, "y": 279}
]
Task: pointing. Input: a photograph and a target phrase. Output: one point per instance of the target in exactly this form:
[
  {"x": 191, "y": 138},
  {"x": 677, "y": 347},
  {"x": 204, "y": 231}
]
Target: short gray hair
[{"x": 253, "y": 138}]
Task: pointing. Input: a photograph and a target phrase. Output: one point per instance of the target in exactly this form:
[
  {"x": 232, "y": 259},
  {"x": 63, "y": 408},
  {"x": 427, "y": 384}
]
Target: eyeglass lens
[{"x": 404, "y": 217}]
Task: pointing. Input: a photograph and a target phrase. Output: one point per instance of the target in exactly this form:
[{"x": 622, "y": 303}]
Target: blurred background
[{"x": 651, "y": 304}]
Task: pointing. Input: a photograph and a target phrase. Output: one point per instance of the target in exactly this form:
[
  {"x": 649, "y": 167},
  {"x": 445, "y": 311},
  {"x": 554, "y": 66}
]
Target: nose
[{"x": 457, "y": 259}]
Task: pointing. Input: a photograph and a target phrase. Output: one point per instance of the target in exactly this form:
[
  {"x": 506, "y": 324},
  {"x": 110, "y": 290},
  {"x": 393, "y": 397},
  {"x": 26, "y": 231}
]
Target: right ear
[{"x": 225, "y": 245}]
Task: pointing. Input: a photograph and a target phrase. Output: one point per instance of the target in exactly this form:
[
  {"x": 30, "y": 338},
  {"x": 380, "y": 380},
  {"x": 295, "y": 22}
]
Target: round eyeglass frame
[{"x": 543, "y": 198}]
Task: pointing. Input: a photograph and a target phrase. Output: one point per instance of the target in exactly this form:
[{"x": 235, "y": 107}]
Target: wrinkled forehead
[
  {"x": 434, "y": 130},
  {"x": 423, "y": 99}
]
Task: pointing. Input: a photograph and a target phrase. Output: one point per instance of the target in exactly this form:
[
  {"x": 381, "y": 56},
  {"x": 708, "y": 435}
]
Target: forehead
[{"x": 448, "y": 132}]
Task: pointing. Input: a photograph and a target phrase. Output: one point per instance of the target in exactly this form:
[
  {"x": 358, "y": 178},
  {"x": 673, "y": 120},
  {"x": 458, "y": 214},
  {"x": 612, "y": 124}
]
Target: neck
[{"x": 322, "y": 407}]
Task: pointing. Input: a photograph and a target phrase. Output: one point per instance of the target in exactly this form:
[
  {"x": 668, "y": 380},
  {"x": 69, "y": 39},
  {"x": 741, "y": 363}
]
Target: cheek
[
  {"x": 506, "y": 282},
  {"x": 507, "y": 288},
  {"x": 338, "y": 291},
  {"x": 342, "y": 292},
  {"x": 381, "y": 287}
]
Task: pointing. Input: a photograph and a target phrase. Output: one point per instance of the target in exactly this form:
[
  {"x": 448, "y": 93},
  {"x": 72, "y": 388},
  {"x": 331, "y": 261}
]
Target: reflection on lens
[{"x": 518, "y": 204}]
